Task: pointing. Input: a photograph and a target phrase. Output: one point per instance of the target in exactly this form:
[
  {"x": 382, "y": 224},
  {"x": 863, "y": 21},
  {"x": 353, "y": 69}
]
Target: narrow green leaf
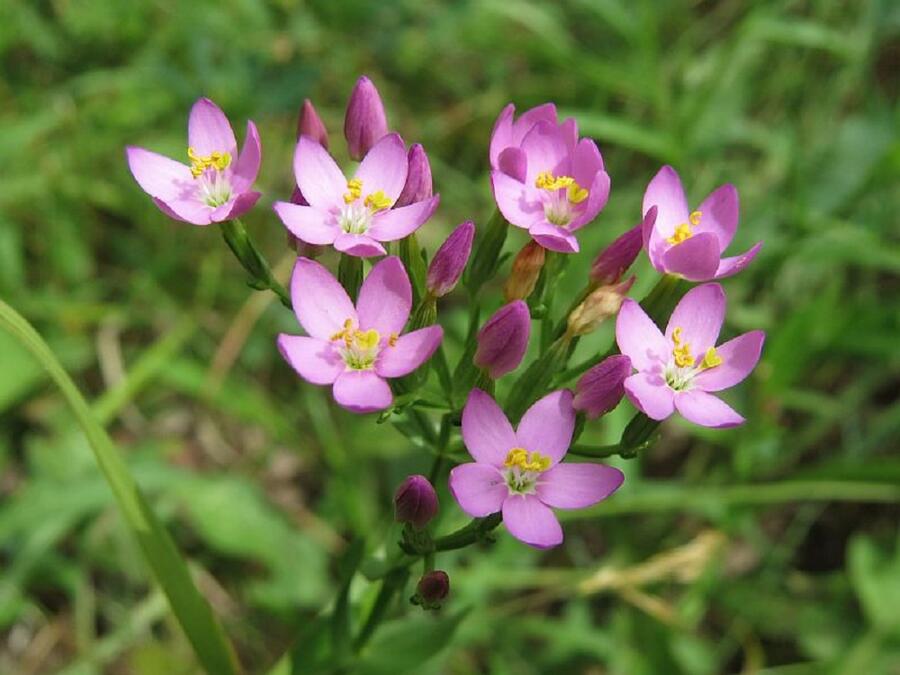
[{"x": 190, "y": 608}]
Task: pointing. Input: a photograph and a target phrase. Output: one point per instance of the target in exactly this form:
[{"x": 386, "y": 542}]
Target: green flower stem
[
  {"x": 413, "y": 258},
  {"x": 393, "y": 582},
  {"x": 350, "y": 274},
  {"x": 486, "y": 252},
  {"x": 475, "y": 531},
  {"x": 240, "y": 243}
]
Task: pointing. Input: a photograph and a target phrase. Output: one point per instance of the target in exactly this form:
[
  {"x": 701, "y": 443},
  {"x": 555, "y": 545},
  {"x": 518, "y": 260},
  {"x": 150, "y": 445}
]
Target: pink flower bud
[
  {"x": 418, "y": 180},
  {"x": 615, "y": 259},
  {"x": 450, "y": 260},
  {"x": 601, "y": 388},
  {"x": 502, "y": 341},
  {"x": 601, "y": 304},
  {"x": 415, "y": 502},
  {"x": 432, "y": 589},
  {"x": 310, "y": 124},
  {"x": 365, "y": 122}
]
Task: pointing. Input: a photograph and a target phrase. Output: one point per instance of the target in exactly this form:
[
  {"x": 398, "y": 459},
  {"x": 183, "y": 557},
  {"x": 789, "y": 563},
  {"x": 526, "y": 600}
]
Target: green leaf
[
  {"x": 190, "y": 608},
  {"x": 402, "y": 646},
  {"x": 876, "y": 579}
]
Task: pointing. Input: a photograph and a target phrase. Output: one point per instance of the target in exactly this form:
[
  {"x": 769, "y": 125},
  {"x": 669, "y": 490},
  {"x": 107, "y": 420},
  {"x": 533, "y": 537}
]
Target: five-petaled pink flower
[
  {"x": 216, "y": 185},
  {"x": 676, "y": 371},
  {"x": 354, "y": 215},
  {"x": 690, "y": 243},
  {"x": 519, "y": 472},
  {"x": 545, "y": 179},
  {"x": 355, "y": 348}
]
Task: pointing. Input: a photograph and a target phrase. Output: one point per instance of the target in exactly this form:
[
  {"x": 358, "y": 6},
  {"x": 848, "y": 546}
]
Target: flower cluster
[{"x": 372, "y": 337}]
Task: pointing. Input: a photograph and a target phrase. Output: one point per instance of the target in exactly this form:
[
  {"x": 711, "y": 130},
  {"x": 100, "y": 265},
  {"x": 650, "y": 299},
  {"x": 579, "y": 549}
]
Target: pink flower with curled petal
[
  {"x": 519, "y": 471},
  {"x": 545, "y": 179},
  {"x": 216, "y": 185},
  {"x": 355, "y": 349},
  {"x": 355, "y": 215},
  {"x": 678, "y": 370},
  {"x": 690, "y": 243}
]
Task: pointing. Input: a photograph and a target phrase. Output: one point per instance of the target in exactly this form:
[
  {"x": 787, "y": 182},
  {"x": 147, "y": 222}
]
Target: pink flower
[
  {"x": 676, "y": 371},
  {"x": 519, "y": 472},
  {"x": 545, "y": 179},
  {"x": 354, "y": 215},
  {"x": 355, "y": 349},
  {"x": 690, "y": 243},
  {"x": 216, "y": 185}
]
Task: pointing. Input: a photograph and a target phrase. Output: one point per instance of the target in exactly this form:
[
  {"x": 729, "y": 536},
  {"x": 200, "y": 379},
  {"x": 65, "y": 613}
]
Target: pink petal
[
  {"x": 316, "y": 361},
  {"x": 529, "y": 520},
  {"x": 554, "y": 238},
  {"x": 362, "y": 391},
  {"x": 546, "y": 149},
  {"x": 546, "y": 112},
  {"x": 586, "y": 162},
  {"x": 547, "y": 426},
  {"x": 699, "y": 314},
  {"x": 246, "y": 168},
  {"x": 501, "y": 135},
  {"x": 400, "y": 222},
  {"x": 320, "y": 302},
  {"x": 575, "y": 486},
  {"x": 384, "y": 168},
  {"x": 189, "y": 210},
  {"x": 385, "y": 298},
  {"x": 666, "y": 193},
  {"x": 602, "y": 387},
  {"x": 479, "y": 489},
  {"x": 359, "y": 245},
  {"x": 513, "y": 163},
  {"x": 160, "y": 176},
  {"x": 318, "y": 176},
  {"x": 696, "y": 259},
  {"x": 410, "y": 352},
  {"x": 650, "y": 394},
  {"x": 569, "y": 131},
  {"x": 739, "y": 357},
  {"x": 599, "y": 195},
  {"x": 519, "y": 206},
  {"x": 307, "y": 223},
  {"x": 235, "y": 208},
  {"x": 639, "y": 338},
  {"x": 706, "y": 410},
  {"x": 486, "y": 431},
  {"x": 733, "y": 265},
  {"x": 209, "y": 130},
  {"x": 719, "y": 214}
]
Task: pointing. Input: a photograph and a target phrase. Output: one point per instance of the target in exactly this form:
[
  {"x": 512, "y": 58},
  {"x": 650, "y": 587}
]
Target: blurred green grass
[{"x": 262, "y": 480}]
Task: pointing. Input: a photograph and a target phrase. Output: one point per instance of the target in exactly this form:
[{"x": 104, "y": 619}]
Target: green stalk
[
  {"x": 350, "y": 274},
  {"x": 241, "y": 244}
]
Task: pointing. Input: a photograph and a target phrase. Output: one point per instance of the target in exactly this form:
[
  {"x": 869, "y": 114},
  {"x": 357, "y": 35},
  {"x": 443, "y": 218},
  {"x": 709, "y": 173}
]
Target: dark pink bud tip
[
  {"x": 432, "y": 589},
  {"x": 612, "y": 263},
  {"x": 415, "y": 502},
  {"x": 502, "y": 341},
  {"x": 365, "y": 123},
  {"x": 310, "y": 124},
  {"x": 418, "y": 185},
  {"x": 450, "y": 260}
]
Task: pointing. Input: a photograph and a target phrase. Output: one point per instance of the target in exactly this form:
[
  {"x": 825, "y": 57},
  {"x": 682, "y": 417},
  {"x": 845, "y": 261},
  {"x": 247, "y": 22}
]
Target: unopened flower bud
[
  {"x": 365, "y": 122},
  {"x": 310, "y": 124},
  {"x": 526, "y": 269},
  {"x": 601, "y": 388},
  {"x": 612, "y": 263},
  {"x": 432, "y": 589},
  {"x": 418, "y": 185},
  {"x": 415, "y": 502},
  {"x": 600, "y": 305},
  {"x": 502, "y": 341},
  {"x": 450, "y": 260}
]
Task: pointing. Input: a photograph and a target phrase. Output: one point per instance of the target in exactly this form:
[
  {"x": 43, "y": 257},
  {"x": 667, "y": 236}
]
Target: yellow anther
[
  {"x": 367, "y": 339},
  {"x": 216, "y": 160},
  {"x": 681, "y": 351},
  {"x": 547, "y": 181},
  {"x": 354, "y": 190},
  {"x": 695, "y": 217},
  {"x": 576, "y": 194},
  {"x": 377, "y": 201},
  {"x": 527, "y": 461},
  {"x": 346, "y": 333},
  {"x": 685, "y": 230},
  {"x": 392, "y": 340},
  {"x": 711, "y": 359}
]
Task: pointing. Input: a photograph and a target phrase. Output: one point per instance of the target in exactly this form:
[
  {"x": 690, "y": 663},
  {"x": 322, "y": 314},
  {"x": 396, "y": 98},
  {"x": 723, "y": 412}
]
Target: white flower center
[
  {"x": 522, "y": 470},
  {"x": 360, "y": 348}
]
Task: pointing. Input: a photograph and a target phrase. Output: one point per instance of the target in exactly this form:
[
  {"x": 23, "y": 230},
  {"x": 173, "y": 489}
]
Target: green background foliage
[{"x": 768, "y": 548}]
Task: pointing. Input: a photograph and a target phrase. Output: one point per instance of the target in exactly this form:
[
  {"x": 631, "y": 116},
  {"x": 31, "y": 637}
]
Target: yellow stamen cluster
[
  {"x": 683, "y": 358},
  {"x": 354, "y": 190},
  {"x": 527, "y": 461},
  {"x": 378, "y": 201},
  {"x": 361, "y": 339},
  {"x": 685, "y": 230},
  {"x": 682, "y": 350},
  {"x": 392, "y": 340},
  {"x": 574, "y": 192},
  {"x": 215, "y": 160}
]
